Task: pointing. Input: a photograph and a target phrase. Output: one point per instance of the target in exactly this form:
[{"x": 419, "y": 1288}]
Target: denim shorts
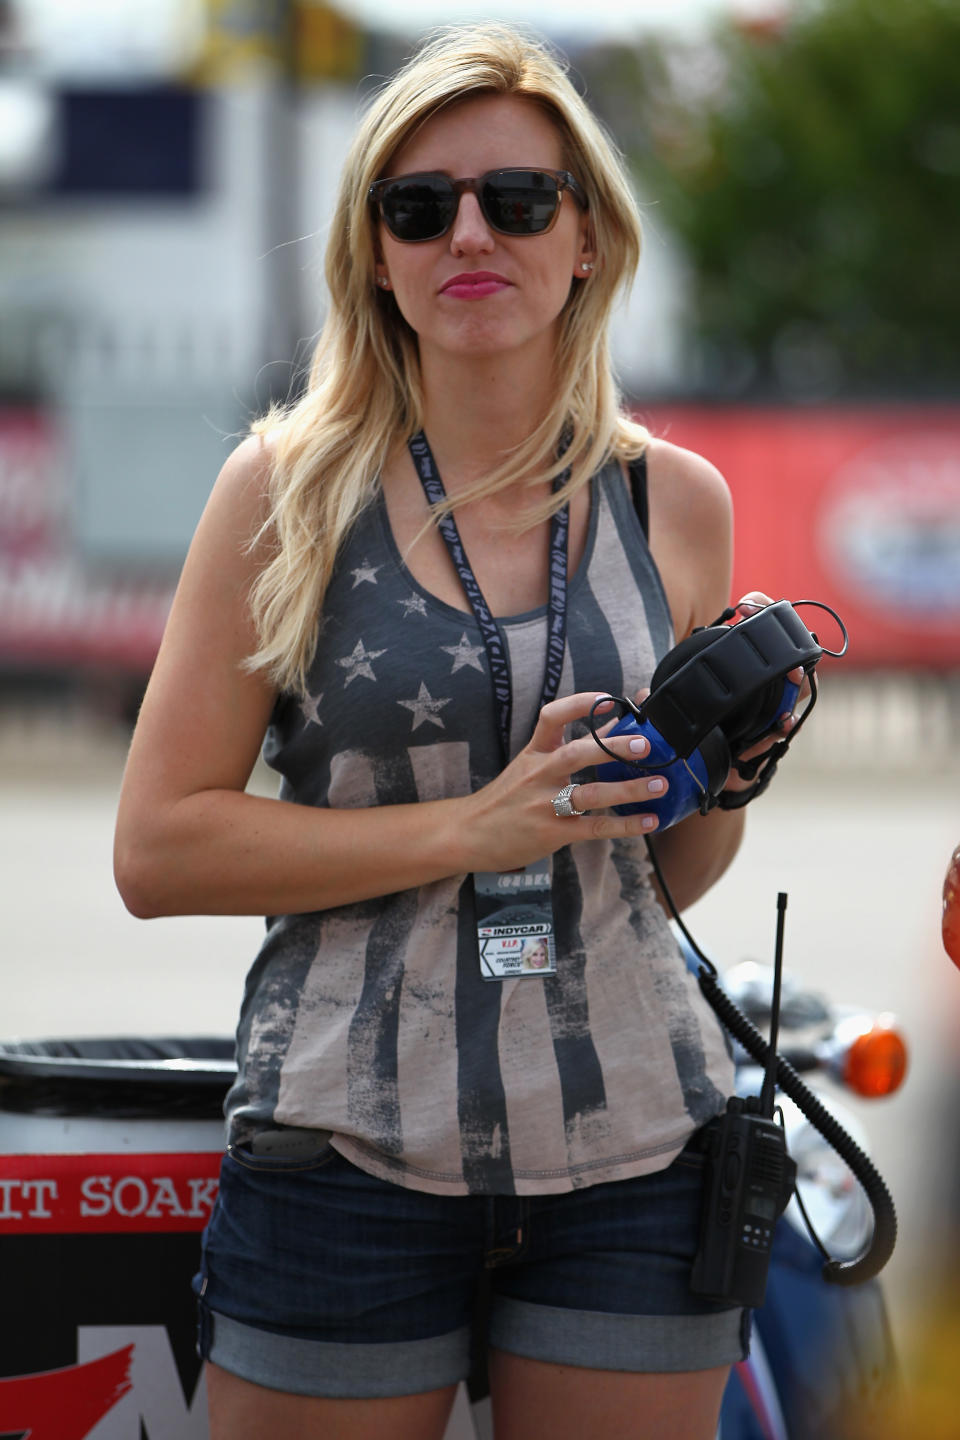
[{"x": 319, "y": 1279}]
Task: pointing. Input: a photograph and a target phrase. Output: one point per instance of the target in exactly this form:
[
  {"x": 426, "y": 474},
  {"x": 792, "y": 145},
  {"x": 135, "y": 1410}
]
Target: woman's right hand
[
  {"x": 512, "y": 822},
  {"x": 215, "y": 850}
]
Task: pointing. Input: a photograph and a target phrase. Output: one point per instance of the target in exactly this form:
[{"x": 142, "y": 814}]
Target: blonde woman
[{"x": 409, "y": 1114}]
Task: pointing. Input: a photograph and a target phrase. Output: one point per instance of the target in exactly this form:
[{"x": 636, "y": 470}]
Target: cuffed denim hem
[
  {"x": 332, "y": 1369},
  {"x": 599, "y": 1340}
]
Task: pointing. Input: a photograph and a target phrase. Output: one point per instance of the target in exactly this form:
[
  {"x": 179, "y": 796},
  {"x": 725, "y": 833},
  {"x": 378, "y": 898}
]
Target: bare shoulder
[
  {"x": 231, "y": 536},
  {"x": 691, "y": 532},
  {"x": 242, "y": 486},
  {"x": 686, "y": 484},
  {"x": 250, "y": 461},
  {"x": 212, "y": 741}
]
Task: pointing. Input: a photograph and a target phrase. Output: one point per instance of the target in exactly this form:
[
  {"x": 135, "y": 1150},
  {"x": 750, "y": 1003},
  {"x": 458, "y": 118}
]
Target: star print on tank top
[
  {"x": 371, "y": 1020},
  {"x": 465, "y": 654}
]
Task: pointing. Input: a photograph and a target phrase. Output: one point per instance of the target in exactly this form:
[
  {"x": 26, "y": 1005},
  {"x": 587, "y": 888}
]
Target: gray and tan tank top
[{"x": 371, "y": 1020}]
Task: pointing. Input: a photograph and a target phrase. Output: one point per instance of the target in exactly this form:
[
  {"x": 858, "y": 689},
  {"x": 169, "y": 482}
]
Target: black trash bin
[{"x": 109, "y": 1157}]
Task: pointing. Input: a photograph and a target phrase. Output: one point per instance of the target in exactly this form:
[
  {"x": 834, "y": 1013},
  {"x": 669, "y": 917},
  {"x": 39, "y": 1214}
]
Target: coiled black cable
[{"x": 884, "y": 1238}]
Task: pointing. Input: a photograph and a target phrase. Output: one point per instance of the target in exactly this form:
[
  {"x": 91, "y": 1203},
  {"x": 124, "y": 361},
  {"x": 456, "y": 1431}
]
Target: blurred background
[{"x": 167, "y": 172}]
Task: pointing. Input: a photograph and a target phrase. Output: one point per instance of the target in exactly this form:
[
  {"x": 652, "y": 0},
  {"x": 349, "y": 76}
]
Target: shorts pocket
[
  {"x": 284, "y": 1150},
  {"x": 690, "y": 1157}
]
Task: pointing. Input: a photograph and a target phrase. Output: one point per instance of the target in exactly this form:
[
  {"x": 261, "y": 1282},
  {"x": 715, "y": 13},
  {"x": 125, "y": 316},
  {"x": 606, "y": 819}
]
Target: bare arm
[
  {"x": 190, "y": 840},
  {"x": 691, "y": 538}
]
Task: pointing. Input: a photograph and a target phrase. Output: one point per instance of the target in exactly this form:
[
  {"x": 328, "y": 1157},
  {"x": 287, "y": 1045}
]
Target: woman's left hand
[{"x": 750, "y": 604}]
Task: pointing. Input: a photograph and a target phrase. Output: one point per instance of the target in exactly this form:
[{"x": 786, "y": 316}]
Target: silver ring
[{"x": 563, "y": 805}]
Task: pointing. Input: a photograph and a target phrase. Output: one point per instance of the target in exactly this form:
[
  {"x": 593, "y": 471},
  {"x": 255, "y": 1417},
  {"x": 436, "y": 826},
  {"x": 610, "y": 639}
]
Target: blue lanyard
[{"x": 489, "y": 629}]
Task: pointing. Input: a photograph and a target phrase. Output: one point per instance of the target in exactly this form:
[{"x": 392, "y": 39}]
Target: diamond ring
[{"x": 563, "y": 805}]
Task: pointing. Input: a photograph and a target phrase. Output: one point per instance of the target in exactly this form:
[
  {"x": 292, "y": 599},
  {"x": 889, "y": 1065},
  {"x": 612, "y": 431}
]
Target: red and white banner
[
  {"x": 54, "y": 612},
  {"x": 855, "y": 506},
  {"x": 87, "y": 1194}
]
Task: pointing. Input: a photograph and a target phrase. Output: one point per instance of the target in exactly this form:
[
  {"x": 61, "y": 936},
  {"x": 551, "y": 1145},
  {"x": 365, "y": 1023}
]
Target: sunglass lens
[
  {"x": 520, "y": 202},
  {"x": 419, "y": 208}
]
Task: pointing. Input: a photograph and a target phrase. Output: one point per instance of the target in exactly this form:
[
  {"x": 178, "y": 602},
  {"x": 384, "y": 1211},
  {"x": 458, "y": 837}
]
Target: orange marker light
[
  {"x": 951, "y": 909},
  {"x": 876, "y": 1061}
]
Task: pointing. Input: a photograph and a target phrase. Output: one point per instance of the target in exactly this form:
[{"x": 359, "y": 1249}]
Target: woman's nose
[{"x": 470, "y": 233}]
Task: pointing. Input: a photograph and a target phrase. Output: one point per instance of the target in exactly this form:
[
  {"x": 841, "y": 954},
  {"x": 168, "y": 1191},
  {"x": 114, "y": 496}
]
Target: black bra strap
[{"x": 638, "y": 488}]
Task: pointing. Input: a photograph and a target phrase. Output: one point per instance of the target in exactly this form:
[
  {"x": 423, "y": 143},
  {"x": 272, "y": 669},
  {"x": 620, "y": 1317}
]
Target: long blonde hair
[{"x": 365, "y": 392}]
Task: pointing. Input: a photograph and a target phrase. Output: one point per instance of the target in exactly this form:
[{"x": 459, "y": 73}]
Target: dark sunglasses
[{"x": 513, "y": 202}]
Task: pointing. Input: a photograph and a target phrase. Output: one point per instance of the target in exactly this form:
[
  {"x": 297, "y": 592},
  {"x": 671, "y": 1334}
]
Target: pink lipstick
[{"x": 474, "y": 285}]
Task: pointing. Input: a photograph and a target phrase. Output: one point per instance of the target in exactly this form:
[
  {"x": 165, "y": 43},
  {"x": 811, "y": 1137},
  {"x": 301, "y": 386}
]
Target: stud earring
[
  {"x": 382, "y": 280},
  {"x": 585, "y": 265}
]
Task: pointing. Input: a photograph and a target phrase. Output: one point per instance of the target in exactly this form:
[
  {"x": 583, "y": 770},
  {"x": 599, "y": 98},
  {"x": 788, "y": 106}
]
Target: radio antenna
[{"x": 770, "y": 1074}]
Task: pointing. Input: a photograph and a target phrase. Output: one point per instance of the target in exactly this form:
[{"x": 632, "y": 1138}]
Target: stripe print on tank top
[
  {"x": 426, "y": 1074},
  {"x": 610, "y": 606}
]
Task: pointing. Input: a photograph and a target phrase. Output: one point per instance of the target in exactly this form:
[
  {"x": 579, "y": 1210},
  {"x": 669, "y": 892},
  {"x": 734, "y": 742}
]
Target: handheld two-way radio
[
  {"x": 749, "y": 1175},
  {"x": 748, "y": 1180},
  {"x": 712, "y": 697}
]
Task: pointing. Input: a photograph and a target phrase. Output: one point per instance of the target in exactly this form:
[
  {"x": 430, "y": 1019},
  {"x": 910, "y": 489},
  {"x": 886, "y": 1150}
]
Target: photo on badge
[{"x": 515, "y": 923}]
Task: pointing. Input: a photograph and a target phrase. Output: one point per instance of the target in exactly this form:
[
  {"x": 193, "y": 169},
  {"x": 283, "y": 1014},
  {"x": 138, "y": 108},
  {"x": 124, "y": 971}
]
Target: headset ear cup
[
  {"x": 715, "y": 753},
  {"x": 754, "y": 717},
  {"x": 684, "y": 651}
]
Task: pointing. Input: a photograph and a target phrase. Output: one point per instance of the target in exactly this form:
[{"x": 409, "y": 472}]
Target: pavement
[{"x": 858, "y": 830}]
